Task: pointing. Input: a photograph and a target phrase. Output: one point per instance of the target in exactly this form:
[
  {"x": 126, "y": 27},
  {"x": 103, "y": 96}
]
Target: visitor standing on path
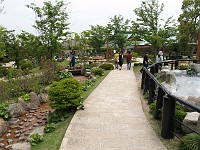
[
  {"x": 73, "y": 61},
  {"x": 128, "y": 60},
  {"x": 159, "y": 60},
  {"x": 145, "y": 61},
  {"x": 116, "y": 59},
  {"x": 120, "y": 60}
]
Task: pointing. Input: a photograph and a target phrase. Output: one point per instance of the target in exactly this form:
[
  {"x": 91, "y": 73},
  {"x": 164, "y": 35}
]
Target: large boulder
[
  {"x": 193, "y": 100},
  {"x": 23, "y": 103},
  {"x": 190, "y": 120},
  {"x": 170, "y": 78},
  {"x": 34, "y": 99},
  {"x": 43, "y": 97},
  {"x": 16, "y": 110},
  {"x": 197, "y": 67},
  {"x": 3, "y": 126}
]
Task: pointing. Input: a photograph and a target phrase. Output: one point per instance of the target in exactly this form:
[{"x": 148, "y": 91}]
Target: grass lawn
[
  {"x": 170, "y": 144},
  {"x": 52, "y": 141}
]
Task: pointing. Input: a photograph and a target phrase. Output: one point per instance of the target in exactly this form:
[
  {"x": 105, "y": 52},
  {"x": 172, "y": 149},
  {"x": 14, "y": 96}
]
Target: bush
[
  {"x": 26, "y": 65},
  {"x": 26, "y": 97},
  {"x": 65, "y": 74},
  {"x": 57, "y": 116},
  {"x": 65, "y": 94},
  {"x": 183, "y": 67},
  {"x": 107, "y": 66},
  {"x": 98, "y": 71},
  {"x": 4, "y": 110},
  {"x": 190, "y": 142},
  {"x": 49, "y": 128},
  {"x": 152, "y": 107},
  {"x": 86, "y": 84},
  {"x": 35, "y": 139},
  {"x": 191, "y": 71},
  {"x": 134, "y": 54},
  {"x": 180, "y": 115}
]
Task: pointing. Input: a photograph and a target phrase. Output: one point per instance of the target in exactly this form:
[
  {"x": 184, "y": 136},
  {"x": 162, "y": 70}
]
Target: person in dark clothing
[
  {"x": 145, "y": 61},
  {"x": 120, "y": 60},
  {"x": 73, "y": 61},
  {"x": 128, "y": 60}
]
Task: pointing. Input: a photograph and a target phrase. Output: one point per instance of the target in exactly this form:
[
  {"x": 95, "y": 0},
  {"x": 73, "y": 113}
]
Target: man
[
  {"x": 116, "y": 59},
  {"x": 128, "y": 60}
]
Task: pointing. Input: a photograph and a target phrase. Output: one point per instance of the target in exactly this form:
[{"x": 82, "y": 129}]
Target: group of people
[
  {"x": 119, "y": 59},
  {"x": 158, "y": 61}
]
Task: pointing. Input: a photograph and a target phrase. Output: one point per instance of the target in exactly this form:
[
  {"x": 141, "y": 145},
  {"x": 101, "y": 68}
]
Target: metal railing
[{"x": 165, "y": 101}]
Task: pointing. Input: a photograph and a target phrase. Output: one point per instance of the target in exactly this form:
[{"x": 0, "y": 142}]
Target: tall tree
[
  {"x": 2, "y": 42},
  {"x": 152, "y": 27},
  {"x": 189, "y": 24},
  {"x": 117, "y": 31},
  {"x": 51, "y": 24},
  {"x": 97, "y": 37}
]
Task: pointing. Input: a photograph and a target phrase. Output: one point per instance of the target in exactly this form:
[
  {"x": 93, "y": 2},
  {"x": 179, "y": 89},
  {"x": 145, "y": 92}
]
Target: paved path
[{"x": 113, "y": 118}]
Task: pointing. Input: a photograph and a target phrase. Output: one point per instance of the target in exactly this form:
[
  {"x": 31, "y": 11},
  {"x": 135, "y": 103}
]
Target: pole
[
  {"x": 198, "y": 48},
  {"x": 107, "y": 46}
]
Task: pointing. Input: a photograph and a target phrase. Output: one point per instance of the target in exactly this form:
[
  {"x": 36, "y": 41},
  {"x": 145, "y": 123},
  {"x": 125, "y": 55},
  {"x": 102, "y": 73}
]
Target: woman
[{"x": 120, "y": 60}]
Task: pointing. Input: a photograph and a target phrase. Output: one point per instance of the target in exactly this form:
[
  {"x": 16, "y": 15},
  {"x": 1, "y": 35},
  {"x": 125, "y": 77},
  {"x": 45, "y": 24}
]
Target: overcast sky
[{"x": 82, "y": 13}]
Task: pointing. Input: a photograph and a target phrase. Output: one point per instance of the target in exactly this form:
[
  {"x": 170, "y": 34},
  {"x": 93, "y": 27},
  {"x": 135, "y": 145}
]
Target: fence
[{"x": 164, "y": 100}]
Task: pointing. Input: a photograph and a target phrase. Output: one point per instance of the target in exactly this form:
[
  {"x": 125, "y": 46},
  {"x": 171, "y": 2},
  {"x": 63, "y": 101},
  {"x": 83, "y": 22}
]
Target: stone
[
  {"x": 170, "y": 78},
  {"x": 13, "y": 126},
  {"x": 31, "y": 111},
  {"x": 32, "y": 106},
  {"x": 8, "y": 135},
  {"x": 43, "y": 97},
  {"x": 2, "y": 139},
  {"x": 21, "y": 139},
  {"x": 190, "y": 120},
  {"x": 22, "y": 103},
  {"x": 9, "y": 131},
  {"x": 2, "y": 145},
  {"x": 3, "y": 126},
  {"x": 10, "y": 141},
  {"x": 17, "y": 135},
  {"x": 27, "y": 124},
  {"x": 193, "y": 100},
  {"x": 35, "y": 125},
  {"x": 197, "y": 67},
  {"x": 13, "y": 120},
  {"x": 34, "y": 99},
  {"x": 17, "y": 132},
  {"x": 21, "y": 123},
  {"x": 177, "y": 72},
  {"x": 198, "y": 125},
  {"x": 21, "y": 146},
  {"x": 16, "y": 110},
  {"x": 27, "y": 133},
  {"x": 39, "y": 130},
  {"x": 87, "y": 74},
  {"x": 8, "y": 147}
]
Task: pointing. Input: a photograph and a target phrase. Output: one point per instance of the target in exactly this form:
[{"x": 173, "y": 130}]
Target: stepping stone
[
  {"x": 13, "y": 126},
  {"x": 2, "y": 139},
  {"x": 8, "y": 135},
  {"x": 17, "y": 135},
  {"x": 27, "y": 124},
  {"x": 10, "y": 141},
  {"x": 35, "y": 125},
  {"x": 21, "y": 123},
  {"x": 27, "y": 133},
  {"x": 21, "y": 139},
  {"x": 17, "y": 132},
  {"x": 8, "y": 147},
  {"x": 2, "y": 145},
  {"x": 32, "y": 111}
]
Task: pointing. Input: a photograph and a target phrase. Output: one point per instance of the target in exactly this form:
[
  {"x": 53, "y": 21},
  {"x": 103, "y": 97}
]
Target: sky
[{"x": 82, "y": 13}]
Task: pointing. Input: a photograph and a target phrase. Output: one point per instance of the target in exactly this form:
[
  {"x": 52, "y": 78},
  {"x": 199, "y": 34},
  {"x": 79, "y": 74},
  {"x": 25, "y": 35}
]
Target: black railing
[{"x": 165, "y": 101}]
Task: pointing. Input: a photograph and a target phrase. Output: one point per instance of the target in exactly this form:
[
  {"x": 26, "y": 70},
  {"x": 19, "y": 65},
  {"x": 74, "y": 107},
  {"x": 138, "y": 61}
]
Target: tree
[
  {"x": 1, "y": 6},
  {"x": 149, "y": 23},
  {"x": 117, "y": 31},
  {"x": 2, "y": 42},
  {"x": 51, "y": 24},
  {"x": 97, "y": 37},
  {"x": 189, "y": 24}
]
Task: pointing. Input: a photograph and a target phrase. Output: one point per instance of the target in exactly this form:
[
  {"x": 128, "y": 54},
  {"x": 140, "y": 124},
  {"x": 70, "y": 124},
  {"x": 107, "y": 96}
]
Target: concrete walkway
[{"x": 113, "y": 118}]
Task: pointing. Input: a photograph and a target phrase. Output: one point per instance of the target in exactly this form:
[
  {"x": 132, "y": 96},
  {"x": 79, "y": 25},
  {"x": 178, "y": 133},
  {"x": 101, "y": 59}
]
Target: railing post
[
  {"x": 146, "y": 83},
  {"x": 159, "y": 103},
  {"x": 169, "y": 106},
  {"x": 172, "y": 65},
  {"x": 151, "y": 91},
  {"x": 176, "y": 64},
  {"x": 143, "y": 78}
]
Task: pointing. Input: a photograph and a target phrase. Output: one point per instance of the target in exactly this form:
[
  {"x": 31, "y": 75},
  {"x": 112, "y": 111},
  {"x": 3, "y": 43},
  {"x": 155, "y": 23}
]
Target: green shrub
[
  {"x": 65, "y": 94},
  {"x": 4, "y": 110},
  {"x": 152, "y": 107},
  {"x": 183, "y": 67},
  {"x": 35, "y": 139},
  {"x": 86, "y": 84},
  {"x": 180, "y": 115},
  {"x": 97, "y": 71},
  {"x": 26, "y": 65},
  {"x": 107, "y": 66},
  {"x": 26, "y": 97},
  {"x": 65, "y": 74},
  {"x": 190, "y": 142},
  {"x": 134, "y": 54},
  {"x": 49, "y": 128},
  {"x": 191, "y": 71},
  {"x": 57, "y": 116}
]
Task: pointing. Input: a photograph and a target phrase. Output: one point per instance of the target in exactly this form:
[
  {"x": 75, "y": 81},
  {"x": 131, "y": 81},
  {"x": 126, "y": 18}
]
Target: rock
[
  {"x": 17, "y": 135},
  {"x": 16, "y": 110},
  {"x": 46, "y": 89},
  {"x": 21, "y": 146},
  {"x": 3, "y": 126},
  {"x": 193, "y": 100},
  {"x": 43, "y": 98},
  {"x": 177, "y": 72},
  {"x": 198, "y": 125},
  {"x": 2, "y": 139},
  {"x": 21, "y": 139},
  {"x": 2, "y": 145},
  {"x": 87, "y": 74},
  {"x": 197, "y": 67},
  {"x": 10, "y": 141},
  {"x": 34, "y": 99},
  {"x": 190, "y": 120},
  {"x": 23, "y": 103},
  {"x": 13, "y": 120},
  {"x": 170, "y": 78},
  {"x": 8, "y": 147},
  {"x": 8, "y": 135},
  {"x": 39, "y": 130},
  {"x": 32, "y": 106}
]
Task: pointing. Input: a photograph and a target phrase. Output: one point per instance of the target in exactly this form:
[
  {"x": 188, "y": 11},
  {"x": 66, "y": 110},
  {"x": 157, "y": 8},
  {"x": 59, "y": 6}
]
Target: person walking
[
  {"x": 73, "y": 61},
  {"x": 145, "y": 61},
  {"x": 120, "y": 60},
  {"x": 116, "y": 59},
  {"x": 128, "y": 60}
]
